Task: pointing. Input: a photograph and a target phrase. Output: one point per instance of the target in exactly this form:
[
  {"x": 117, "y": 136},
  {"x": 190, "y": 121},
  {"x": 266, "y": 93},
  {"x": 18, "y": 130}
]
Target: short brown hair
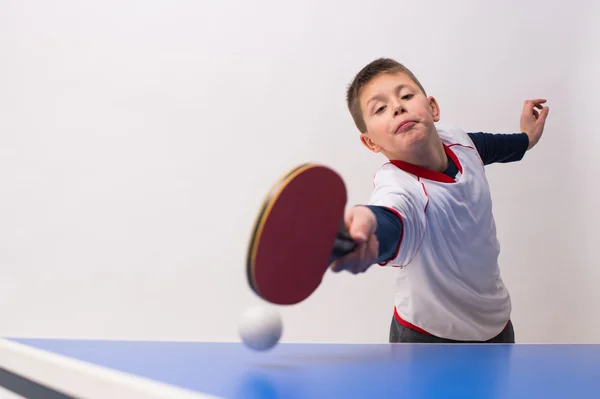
[{"x": 370, "y": 71}]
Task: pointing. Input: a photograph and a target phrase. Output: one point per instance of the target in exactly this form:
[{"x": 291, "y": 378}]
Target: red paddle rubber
[{"x": 298, "y": 233}]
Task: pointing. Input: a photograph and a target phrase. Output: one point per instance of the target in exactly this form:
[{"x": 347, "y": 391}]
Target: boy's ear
[
  {"x": 370, "y": 144},
  {"x": 435, "y": 108}
]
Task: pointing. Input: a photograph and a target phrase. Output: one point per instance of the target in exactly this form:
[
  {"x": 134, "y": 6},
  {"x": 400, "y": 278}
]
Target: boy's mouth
[{"x": 404, "y": 126}]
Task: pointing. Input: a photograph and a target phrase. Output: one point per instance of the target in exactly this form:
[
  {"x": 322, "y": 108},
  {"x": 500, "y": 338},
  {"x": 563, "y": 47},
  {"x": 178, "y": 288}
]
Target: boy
[{"x": 430, "y": 213}]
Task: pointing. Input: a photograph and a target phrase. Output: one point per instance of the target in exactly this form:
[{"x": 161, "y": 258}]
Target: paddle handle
[{"x": 344, "y": 244}]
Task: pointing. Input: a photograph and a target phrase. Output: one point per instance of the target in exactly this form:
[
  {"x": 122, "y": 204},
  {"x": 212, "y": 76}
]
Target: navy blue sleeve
[
  {"x": 500, "y": 148},
  {"x": 389, "y": 232}
]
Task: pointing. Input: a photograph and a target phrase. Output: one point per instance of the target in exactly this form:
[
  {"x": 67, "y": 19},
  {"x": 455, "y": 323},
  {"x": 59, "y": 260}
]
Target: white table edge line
[{"x": 82, "y": 379}]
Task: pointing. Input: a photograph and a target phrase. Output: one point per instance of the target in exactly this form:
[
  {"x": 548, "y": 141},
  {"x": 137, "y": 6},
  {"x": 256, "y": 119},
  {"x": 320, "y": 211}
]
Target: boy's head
[{"x": 391, "y": 109}]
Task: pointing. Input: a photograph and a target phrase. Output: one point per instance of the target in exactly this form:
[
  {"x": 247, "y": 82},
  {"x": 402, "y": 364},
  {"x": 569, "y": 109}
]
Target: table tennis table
[{"x": 68, "y": 368}]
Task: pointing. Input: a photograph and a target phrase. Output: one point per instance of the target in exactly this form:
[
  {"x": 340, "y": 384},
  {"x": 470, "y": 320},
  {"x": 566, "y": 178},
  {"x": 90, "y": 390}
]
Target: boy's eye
[
  {"x": 380, "y": 109},
  {"x": 407, "y": 97}
]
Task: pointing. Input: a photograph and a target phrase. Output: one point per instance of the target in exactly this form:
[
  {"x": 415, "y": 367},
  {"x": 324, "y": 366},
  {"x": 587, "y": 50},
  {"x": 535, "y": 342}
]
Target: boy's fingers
[
  {"x": 535, "y": 101},
  {"x": 543, "y": 115},
  {"x": 358, "y": 233},
  {"x": 527, "y": 108},
  {"x": 530, "y": 104},
  {"x": 545, "y": 111},
  {"x": 367, "y": 256},
  {"x": 363, "y": 224},
  {"x": 353, "y": 262},
  {"x": 348, "y": 219},
  {"x": 338, "y": 265},
  {"x": 359, "y": 230},
  {"x": 345, "y": 262}
]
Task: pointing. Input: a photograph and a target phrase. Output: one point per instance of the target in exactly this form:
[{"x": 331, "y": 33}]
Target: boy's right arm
[{"x": 388, "y": 230}]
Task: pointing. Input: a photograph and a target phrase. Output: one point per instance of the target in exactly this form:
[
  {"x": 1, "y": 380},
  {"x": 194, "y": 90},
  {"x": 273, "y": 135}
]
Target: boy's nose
[{"x": 399, "y": 109}]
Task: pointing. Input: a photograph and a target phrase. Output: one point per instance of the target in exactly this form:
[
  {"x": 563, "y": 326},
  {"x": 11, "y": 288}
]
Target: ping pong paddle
[{"x": 299, "y": 231}]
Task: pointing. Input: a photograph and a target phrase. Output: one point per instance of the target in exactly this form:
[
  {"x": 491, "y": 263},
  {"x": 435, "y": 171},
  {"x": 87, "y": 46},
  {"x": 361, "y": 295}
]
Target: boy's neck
[{"x": 430, "y": 156}]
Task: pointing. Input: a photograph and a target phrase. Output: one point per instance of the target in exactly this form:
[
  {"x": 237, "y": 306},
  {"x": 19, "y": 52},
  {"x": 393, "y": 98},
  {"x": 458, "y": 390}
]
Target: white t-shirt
[{"x": 449, "y": 280}]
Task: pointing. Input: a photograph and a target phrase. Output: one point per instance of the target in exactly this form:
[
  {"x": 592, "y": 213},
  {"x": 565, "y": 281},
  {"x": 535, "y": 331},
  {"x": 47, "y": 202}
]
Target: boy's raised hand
[
  {"x": 361, "y": 224},
  {"x": 533, "y": 121}
]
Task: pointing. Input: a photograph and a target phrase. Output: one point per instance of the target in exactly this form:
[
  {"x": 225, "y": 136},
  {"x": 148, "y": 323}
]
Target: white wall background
[{"x": 138, "y": 138}]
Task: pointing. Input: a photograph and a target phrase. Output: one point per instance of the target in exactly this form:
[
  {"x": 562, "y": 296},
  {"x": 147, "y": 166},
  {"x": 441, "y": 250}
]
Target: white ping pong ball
[{"x": 260, "y": 328}]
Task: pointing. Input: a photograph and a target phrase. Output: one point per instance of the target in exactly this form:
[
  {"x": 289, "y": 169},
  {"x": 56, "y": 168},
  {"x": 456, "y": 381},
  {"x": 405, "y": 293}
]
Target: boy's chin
[{"x": 415, "y": 136}]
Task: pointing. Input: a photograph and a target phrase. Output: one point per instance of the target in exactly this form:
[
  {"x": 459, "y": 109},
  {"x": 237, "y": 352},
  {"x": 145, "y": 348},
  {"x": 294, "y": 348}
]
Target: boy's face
[{"x": 398, "y": 116}]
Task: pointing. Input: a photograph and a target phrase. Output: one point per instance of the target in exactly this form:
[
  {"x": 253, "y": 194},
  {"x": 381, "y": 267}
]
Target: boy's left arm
[{"x": 512, "y": 147}]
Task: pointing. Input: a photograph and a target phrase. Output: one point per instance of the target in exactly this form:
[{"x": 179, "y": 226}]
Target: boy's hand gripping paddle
[{"x": 299, "y": 232}]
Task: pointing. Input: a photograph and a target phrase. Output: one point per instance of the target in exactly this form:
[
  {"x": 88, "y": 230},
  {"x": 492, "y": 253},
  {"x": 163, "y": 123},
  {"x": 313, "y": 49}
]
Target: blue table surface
[{"x": 298, "y": 371}]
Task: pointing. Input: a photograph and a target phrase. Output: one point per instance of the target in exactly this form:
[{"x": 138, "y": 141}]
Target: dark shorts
[{"x": 400, "y": 333}]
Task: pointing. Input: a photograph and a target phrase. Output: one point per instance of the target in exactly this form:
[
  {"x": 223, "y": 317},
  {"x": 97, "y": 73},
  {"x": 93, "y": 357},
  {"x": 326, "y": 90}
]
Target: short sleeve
[{"x": 405, "y": 195}]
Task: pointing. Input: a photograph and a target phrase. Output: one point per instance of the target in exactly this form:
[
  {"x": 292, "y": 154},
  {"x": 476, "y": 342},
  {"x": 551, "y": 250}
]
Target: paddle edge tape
[{"x": 267, "y": 204}]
